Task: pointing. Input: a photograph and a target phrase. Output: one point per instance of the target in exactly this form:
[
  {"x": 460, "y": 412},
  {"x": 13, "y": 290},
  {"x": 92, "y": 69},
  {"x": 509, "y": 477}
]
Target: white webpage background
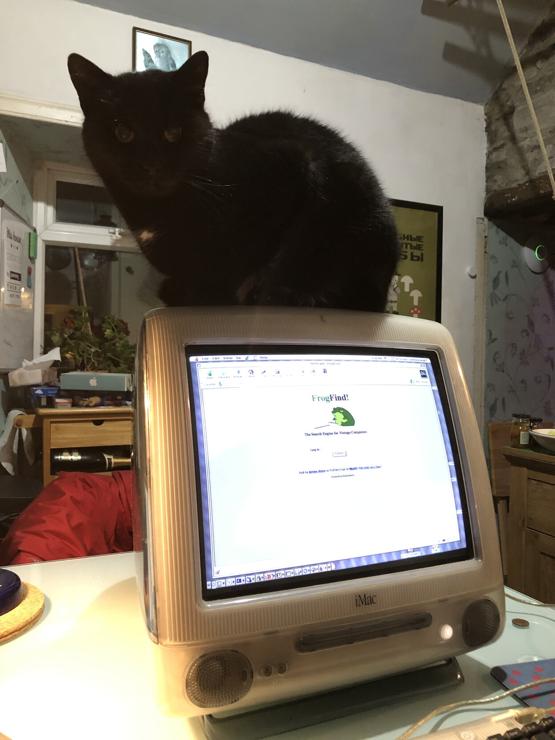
[{"x": 386, "y": 487}]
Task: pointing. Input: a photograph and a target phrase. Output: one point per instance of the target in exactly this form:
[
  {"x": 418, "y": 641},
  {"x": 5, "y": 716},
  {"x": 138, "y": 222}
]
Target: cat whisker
[
  {"x": 212, "y": 183},
  {"x": 208, "y": 200},
  {"x": 211, "y": 192},
  {"x": 208, "y": 185}
]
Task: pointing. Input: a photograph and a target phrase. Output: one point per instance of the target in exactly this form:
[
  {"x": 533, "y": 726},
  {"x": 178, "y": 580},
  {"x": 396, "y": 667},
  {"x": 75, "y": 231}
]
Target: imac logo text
[{"x": 362, "y": 600}]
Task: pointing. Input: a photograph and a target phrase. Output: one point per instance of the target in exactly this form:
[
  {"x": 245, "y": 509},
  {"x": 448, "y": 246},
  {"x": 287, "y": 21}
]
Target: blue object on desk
[
  {"x": 516, "y": 674},
  {"x": 11, "y": 592}
]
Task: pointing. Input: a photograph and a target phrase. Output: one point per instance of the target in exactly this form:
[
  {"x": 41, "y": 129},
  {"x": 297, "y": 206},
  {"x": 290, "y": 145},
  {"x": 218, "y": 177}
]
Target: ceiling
[
  {"x": 43, "y": 140},
  {"x": 450, "y": 47}
]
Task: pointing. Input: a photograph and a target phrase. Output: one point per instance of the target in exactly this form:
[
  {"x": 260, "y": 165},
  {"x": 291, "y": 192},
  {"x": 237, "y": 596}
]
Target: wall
[
  {"x": 15, "y": 184},
  {"x": 520, "y": 326},
  {"x": 423, "y": 147},
  {"x": 514, "y": 156}
]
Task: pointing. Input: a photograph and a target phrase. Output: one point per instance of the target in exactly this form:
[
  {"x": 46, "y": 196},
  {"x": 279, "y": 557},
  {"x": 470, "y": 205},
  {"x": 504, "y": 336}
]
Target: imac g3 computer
[{"x": 315, "y": 504}]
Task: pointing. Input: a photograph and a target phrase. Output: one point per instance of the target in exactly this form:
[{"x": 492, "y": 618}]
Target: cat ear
[
  {"x": 91, "y": 83},
  {"x": 193, "y": 73}
]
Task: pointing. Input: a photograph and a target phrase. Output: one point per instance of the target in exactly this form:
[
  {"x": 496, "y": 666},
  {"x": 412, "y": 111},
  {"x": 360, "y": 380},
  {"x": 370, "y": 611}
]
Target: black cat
[{"x": 273, "y": 209}]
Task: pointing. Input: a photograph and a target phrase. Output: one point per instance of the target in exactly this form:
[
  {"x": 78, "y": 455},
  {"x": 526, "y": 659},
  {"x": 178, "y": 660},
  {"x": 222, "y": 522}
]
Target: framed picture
[
  {"x": 416, "y": 286},
  {"x": 153, "y": 50}
]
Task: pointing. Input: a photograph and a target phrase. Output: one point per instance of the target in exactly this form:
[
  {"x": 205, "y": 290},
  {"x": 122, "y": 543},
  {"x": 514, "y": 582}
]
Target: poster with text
[
  {"x": 13, "y": 240},
  {"x": 416, "y": 286}
]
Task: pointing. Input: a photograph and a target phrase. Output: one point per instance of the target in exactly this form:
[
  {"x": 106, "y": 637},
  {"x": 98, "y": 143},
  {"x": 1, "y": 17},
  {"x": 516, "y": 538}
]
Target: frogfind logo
[{"x": 362, "y": 600}]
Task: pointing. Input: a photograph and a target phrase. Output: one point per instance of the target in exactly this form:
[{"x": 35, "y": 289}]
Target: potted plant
[{"x": 92, "y": 346}]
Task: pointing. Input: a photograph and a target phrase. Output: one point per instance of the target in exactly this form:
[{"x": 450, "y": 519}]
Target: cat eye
[
  {"x": 172, "y": 134},
  {"x": 123, "y": 133}
]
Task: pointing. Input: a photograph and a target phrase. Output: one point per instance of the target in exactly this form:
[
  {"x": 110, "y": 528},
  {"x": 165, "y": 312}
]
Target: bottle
[
  {"x": 89, "y": 460},
  {"x": 520, "y": 430}
]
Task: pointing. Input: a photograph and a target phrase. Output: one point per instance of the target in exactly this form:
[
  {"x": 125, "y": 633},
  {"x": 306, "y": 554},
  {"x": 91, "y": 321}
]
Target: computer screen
[{"x": 319, "y": 464}]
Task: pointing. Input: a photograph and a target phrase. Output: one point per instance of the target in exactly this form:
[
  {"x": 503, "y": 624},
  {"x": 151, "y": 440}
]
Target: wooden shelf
[
  {"x": 96, "y": 411},
  {"x": 531, "y": 542},
  {"x": 108, "y": 426},
  {"x": 528, "y": 455}
]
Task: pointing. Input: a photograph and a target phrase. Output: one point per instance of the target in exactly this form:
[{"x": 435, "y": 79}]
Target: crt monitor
[{"x": 316, "y": 509}]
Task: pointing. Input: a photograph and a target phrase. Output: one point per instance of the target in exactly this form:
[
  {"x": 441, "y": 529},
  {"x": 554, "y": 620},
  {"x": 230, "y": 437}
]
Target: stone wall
[
  {"x": 514, "y": 155},
  {"x": 517, "y": 186}
]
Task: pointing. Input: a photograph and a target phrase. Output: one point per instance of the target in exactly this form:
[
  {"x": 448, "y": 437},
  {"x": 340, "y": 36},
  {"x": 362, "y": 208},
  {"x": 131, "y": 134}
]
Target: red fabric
[{"x": 77, "y": 514}]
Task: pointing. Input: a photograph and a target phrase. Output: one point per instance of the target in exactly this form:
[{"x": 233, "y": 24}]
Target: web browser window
[{"x": 319, "y": 465}]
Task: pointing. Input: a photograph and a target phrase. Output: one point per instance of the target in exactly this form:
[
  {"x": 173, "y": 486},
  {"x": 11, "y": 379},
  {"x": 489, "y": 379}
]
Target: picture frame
[
  {"x": 416, "y": 286},
  {"x": 154, "y": 50}
]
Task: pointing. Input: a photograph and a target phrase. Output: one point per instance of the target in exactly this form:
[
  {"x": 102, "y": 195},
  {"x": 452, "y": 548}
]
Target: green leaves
[{"x": 87, "y": 345}]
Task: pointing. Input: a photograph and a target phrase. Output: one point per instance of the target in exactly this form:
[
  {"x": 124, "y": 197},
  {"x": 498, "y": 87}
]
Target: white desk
[{"x": 84, "y": 670}]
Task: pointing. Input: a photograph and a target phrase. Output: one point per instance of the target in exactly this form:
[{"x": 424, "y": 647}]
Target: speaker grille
[
  {"x": 481, "y": 620},
  {"x": 219, "y": 678}
]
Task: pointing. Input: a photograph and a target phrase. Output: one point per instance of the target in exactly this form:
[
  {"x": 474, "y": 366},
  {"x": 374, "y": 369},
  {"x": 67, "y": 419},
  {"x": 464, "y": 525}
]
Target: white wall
[
  {"x": 13, "y": 183},
  {"x": 423, "y": 147}
]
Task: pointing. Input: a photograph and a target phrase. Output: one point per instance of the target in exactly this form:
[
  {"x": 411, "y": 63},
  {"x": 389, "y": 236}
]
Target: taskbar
[{"x": 270, "y": 575}]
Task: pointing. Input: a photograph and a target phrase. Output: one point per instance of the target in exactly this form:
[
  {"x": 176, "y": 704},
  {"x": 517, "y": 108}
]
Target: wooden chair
[{"x": 499, "y": 434}]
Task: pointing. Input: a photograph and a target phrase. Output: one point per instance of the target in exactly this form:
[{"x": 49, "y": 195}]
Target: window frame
[{"x": 51, "y": 232}]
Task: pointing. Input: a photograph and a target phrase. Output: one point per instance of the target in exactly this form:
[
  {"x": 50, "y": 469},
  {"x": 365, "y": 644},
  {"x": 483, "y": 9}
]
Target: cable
[
  {"x": 527, "y": 96},
  {"x": 528, "y": 603},
  {"x": 470, "y": 702}
]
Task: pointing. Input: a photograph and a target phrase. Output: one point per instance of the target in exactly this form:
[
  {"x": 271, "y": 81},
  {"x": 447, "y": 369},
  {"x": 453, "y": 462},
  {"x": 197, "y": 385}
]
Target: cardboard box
[
  {"x": 80, "y": 381},
  {"x": 33, "y": 376}
]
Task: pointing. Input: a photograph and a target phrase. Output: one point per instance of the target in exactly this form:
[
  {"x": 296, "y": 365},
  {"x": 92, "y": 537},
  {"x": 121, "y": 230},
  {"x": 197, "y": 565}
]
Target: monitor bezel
[{"x": 358, "y": 573}]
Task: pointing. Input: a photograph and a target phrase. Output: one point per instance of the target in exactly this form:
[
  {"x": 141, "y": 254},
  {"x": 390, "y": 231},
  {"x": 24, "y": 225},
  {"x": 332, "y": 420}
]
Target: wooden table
[
  {"x": 531, "y": 540},
  {"x": 107, "y": 426}
]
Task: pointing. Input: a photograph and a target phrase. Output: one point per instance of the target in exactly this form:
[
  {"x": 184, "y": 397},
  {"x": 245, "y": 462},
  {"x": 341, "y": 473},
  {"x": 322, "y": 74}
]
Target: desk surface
[
  {"x": 526, "y": 455},
  {"x": 84, "y": 671}
]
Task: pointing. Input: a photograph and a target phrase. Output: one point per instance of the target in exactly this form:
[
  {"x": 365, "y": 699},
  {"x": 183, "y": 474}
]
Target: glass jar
[{"x": 520, "y": 430}]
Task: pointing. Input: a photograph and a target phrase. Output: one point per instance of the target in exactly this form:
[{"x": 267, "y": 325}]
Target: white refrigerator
[{"x": 17, "y": 278}]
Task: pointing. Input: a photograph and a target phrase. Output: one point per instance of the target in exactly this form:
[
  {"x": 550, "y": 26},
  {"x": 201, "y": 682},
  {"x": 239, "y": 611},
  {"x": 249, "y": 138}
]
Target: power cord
[
  {"x": 471, "y": 702},
  {"x": 528, "y": 603},
  {"x": 488, "y": 700}
]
